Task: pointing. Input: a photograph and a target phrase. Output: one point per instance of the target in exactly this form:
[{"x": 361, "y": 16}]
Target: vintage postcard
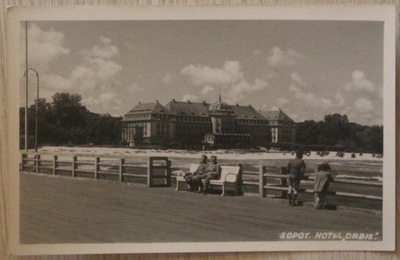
[{"x": 201, "y": 129}]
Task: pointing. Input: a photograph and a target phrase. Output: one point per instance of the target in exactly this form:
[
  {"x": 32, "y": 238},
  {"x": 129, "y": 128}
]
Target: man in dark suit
[
  {"x": 213, "y": 172},
  {"x": 201, "y": 170}
]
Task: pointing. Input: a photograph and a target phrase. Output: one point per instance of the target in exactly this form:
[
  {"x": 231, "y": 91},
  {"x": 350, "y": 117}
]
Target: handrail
[
  {"x": 94, "y": 169},
  {"x": 282, "y": 187},
  {"x": 105, "y": 165}
]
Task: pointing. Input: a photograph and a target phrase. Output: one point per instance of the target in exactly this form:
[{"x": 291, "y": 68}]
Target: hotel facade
[{"x": 199, "y": 124}]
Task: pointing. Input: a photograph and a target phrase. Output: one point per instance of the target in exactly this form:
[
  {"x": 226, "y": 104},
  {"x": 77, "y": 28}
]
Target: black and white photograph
[{"x": 198, "y": 129}]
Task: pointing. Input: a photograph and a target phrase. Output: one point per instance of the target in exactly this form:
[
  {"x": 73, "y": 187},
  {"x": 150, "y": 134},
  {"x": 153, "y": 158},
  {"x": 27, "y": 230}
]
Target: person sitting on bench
[
  {"x": 201, "y": 170},
  {"x": 213, "y": 172}
]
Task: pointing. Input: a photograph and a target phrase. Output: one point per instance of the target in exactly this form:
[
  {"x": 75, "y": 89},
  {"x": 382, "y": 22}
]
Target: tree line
[
  {"x": 65, "y": 121},
  {"x": 336, "y": 133}
]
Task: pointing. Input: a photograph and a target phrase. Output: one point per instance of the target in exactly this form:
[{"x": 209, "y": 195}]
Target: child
[{"x": 321, "y": 184}]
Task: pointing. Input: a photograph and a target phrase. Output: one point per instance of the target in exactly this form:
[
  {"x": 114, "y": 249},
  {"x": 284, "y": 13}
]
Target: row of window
[
  {"x": 207, "y": 120},
  {"x": 137, "y": 116},
  {"x": 192, "y": 119},
  {"x": 162, "y": 128},
  {"x": 251, "y": 122},
  {"x": 132, "y": 125},
  {"x": 283, "y": 134},
  {"x": 128, "y": 134}
]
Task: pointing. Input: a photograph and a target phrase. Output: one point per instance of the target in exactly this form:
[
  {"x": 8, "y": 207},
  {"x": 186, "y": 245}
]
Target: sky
[{"x": 306, "y": 68}]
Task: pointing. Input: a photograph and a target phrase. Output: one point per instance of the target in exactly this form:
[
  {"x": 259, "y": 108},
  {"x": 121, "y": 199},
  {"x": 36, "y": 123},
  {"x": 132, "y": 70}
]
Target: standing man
[
  {"x": 296, "y": 169},
  {"x": 201, "y": 170},
  {"x": 213, "y": 172}
]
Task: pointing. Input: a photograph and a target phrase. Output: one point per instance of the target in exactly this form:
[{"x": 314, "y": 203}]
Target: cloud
[
  {"x": 167, "y": 78},
  {"x": 135, "y": 88},
  {"x": 94, "y": 71},
  {"x": 297, "y": 79},
  {"x": 238, "y": 90},
  {"x": 340, "y": 101},
  {"x": 204, "y": 75},
  {"x": 257, "y": 52},
  {"x": 96, "y": 68},
  {"x": 281, "y": 102},
  {"x": 242, "y": 88},
  {"x": 56, "y": 82},
  {"x": 92, "y": 77},
  {"x": 45, "y": 46},
  {"x": 190, "y": 97},
  {"x": 207, "y": 90},
  {"x": 363, "y": 105},
  {"x": 274, "y": 108},
  {"x": 359, "y": 83},
  {"x": 229, "y": 77},
  {"x": 286, "y": 58},
  {"x": 105, "y": 50},
  {"x": 294, "y": 88},
  {"x": 103, "y": 99},
  {"x": 310, "y": 99}
]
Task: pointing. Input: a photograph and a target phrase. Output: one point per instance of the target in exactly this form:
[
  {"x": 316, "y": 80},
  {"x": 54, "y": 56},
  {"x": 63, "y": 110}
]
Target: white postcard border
[{"x": 356, "y": 13}]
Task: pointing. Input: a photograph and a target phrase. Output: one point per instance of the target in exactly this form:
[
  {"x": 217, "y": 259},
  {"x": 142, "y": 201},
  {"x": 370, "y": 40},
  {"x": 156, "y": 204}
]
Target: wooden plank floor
[{"x": 66, "y": 210}]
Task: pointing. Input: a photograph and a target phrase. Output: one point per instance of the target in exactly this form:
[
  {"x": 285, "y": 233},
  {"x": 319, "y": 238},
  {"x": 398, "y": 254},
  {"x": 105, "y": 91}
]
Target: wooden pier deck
[{"x": 57, "y": 209}]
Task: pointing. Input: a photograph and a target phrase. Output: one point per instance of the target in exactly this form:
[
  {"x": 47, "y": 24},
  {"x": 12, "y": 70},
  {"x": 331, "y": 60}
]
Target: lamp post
[{"x": 37, "y": 107}]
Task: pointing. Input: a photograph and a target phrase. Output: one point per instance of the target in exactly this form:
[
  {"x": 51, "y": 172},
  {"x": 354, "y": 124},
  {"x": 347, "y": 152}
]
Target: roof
[
  {"x": 276, "y": 115},
  {"x": 188, "y": 108},
  {"x": 148, "y": 108},
  {"x": 220, "y": 107},
  {"x": 246, "y": 112}
]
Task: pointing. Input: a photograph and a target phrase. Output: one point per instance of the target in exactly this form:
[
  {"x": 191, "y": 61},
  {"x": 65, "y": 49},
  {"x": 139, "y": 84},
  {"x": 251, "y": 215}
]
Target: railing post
[
  {"x": 74, "y": 159},
  {"x": 121, "y": 168},
  {"x": 37, "y": 162},
  {"x": 96, "y": 167},
  {"x": 168, "y": 173},
  {"x": 149, "y": 171},
  {"x": 55, "y": 158},
  {"x": 239, "y": 184},
  {"x": 262, "y": 181},
  {"x": 23, "y": 161},
  {"x": 283, "y": 182}
]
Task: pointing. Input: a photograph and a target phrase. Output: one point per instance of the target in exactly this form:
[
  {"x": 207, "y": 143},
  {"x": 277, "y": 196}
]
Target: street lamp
[{"x": 37, "y": 108}]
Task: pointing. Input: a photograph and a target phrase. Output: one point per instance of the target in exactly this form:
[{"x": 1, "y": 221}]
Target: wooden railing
[
  {"x": 157, "y": 172},
  {"x": 100, "y": 167},
  {"x": 275, "y": 179}
]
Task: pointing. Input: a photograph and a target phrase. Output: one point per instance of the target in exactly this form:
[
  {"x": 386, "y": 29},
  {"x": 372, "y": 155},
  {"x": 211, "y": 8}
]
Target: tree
[
  {"x": 66, "y": 121},
  {"x": 68, "y": 111},
  {"x": 371, "y": 139},
  {"x": 334, "y": 128},
  {"x": 337, "y": 133},
  {"x": 106, "y": 130},
  {"x": 308, "y": 132}
]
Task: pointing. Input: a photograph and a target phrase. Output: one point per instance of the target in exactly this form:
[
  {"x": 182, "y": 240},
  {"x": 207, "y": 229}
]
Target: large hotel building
[{"x": 193, "y": 124}]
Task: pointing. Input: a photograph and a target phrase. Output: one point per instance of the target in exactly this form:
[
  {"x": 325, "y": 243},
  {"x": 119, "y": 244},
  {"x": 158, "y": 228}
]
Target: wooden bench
[
  {"x": 180, "y": 174},
  {"x": 229, "y": 178}
]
